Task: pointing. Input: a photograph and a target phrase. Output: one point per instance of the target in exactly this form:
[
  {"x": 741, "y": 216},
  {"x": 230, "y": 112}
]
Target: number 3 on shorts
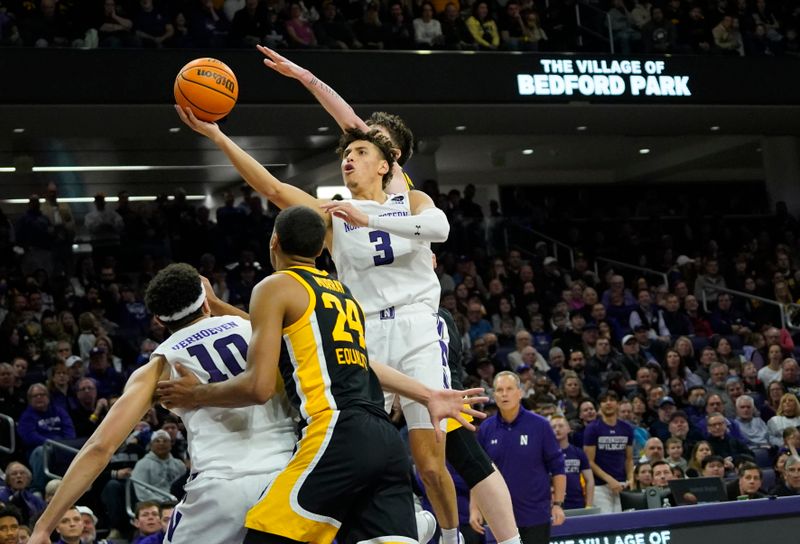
[{"x": 383, "y": 244}]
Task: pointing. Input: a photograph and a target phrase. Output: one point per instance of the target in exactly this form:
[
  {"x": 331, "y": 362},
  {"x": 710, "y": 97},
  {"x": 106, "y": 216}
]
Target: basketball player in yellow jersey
[
  {"x": 348, "y": 478},
  {"x": 381, "y": 247},
  {"x": 490, "y": 495}
]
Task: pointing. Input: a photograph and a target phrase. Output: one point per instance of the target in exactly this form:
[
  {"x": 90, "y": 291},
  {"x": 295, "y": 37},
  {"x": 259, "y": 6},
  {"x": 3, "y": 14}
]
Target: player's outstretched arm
[
  {"x": 257, "y": 383},
  {"x": 258, "y": 177},
  {"x": 442, "y": 404},
  {"x": 96, "y": 453},
  {"x": 427, "y": 223},
  {"x": 329, "y": 99},
  {"x": 219, "y": 306}
]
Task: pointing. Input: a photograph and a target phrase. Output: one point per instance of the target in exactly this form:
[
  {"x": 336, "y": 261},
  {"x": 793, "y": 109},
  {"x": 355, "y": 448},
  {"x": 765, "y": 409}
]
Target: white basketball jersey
[
  {"x": 382, "y": 270},
  {"x": 228, "y": 442}
]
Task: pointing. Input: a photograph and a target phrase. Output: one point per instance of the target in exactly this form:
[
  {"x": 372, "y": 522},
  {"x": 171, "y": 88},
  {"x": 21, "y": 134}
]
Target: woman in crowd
[
  {"x": 677, "y": 390},
  {"x": 506, "y": 311},
  {"x": 534, "y": 33},
  {"x": 700, "y": 451},
  {"x": 642, "y": 476},
  {"x": 572, "y": 394},
  {"x": 106, "y": 343},
  {"x": 299, "y": 31},
  {"x": 780, "y": 466},
  {"x": 475, "y": 285},
  {"x": 787, "y": 415},
  {"x": 639, "y": 406},
  {"x": 427, "y": 29},
  {"x": 685, "y": 348},
  {"x": 675, "y": 367},
  {"x": 58, "y": 385},
  {"x": 69, "y": 327},
  {"x": 775, "y": 393},
  {"x": 483, "y": 28},
  {"x": 726, "y": 355},
  {"x": 462, "y": 298}
]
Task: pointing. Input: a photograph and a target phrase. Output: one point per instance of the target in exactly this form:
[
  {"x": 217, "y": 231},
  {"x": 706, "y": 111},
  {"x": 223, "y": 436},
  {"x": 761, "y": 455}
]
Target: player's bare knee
[{"x": 431, "y": 475}]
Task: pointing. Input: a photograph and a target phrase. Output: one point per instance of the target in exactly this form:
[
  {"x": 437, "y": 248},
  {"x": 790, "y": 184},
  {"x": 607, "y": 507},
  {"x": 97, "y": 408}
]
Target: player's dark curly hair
[
  {"x": 401, "y": 136},
  {"x": 374, "y": 137},
  {"x": 173, "y": 289},
  {"x": 11, "y": 511},
  {"x": 301, "y": 231}
]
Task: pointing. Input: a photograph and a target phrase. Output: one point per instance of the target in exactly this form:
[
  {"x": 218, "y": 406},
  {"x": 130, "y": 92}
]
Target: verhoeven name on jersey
[{"x": 205, "y": 333}]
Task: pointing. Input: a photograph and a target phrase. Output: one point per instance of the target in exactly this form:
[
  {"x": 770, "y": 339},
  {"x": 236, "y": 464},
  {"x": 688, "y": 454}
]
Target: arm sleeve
[{"x": 430, "y": 225}]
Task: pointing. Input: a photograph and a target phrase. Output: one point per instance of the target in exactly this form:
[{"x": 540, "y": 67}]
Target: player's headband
[{"x": 193, "y": 307}]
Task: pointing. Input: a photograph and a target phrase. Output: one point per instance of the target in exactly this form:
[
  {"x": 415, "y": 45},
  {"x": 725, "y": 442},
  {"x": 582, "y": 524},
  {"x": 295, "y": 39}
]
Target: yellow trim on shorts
[
  {"x": 274, "y": 513},
  {"x": 453, "y": 424}
]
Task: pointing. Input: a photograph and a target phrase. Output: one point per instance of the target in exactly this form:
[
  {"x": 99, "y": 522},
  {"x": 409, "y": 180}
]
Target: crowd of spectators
[
  {"x": 706, "y": 392},
  {"x": 677, "y": 26}
]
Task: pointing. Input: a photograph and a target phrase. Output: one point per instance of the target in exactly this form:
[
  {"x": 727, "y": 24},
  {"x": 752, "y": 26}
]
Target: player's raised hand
[
  {"x": 179, "y": 393},
  {"x": 209, "y": 130},
  {"x": 347, "y": 212},
  {"x": 281, "y": 64},
  {"x": 450, "y": 403}
]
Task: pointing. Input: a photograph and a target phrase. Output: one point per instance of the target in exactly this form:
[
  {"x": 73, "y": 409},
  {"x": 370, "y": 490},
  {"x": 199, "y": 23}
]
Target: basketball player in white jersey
[
  {"x": 381, "y": 246},
  {"x": 487, "y": 487},
  {"x": 234, "y": 452}
]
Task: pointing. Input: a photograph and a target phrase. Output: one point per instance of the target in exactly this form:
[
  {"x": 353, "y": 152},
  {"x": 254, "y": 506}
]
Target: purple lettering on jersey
[
  {"x": 394, "y": 214},
  {"x": 383, "y": 244},
  {"x": 203, "y": 333},
  {"x": 229, "y": 359}
]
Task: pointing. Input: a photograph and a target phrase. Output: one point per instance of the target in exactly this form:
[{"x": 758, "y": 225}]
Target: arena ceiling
[{"x": 570, "y": 143}]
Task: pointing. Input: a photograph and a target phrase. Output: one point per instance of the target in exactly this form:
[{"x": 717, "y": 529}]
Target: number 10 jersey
[
  {"x": 228, "y": 442},
  {"x": 384, "y": 271}
]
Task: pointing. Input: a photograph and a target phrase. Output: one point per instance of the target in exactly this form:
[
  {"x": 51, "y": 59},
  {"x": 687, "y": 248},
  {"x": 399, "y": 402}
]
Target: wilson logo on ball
[{"x": 218, "y": 79}]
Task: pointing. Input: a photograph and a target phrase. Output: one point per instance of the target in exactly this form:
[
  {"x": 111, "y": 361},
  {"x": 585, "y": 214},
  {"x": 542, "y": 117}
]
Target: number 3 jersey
[
  {"x": 228, "y": 442},
  {"x": 383, "y": 270},
  {"x": 324, "y": 360}
]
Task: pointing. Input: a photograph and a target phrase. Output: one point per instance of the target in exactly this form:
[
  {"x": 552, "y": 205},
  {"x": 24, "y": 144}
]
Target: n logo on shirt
[{"x": 523, "y": 440}]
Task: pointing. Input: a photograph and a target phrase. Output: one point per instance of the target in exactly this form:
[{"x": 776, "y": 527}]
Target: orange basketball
[{"x": 207, "y": 86}]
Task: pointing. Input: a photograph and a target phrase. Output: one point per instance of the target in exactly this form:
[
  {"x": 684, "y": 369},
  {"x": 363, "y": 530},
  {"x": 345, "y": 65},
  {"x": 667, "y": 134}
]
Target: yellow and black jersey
[{"x": 324, "y": 361}]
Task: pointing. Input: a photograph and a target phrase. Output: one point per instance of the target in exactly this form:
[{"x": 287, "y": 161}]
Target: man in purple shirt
[
  {"x": 526, "y": 452},
  {"x": 608, "y": 443},
  {"x": 580, "y": 480}
]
